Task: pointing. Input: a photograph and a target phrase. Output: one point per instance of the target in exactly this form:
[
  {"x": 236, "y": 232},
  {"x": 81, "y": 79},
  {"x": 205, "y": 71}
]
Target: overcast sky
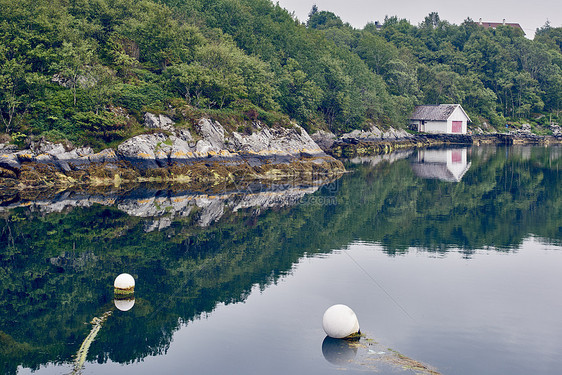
[{"x": 529, "y": 14}]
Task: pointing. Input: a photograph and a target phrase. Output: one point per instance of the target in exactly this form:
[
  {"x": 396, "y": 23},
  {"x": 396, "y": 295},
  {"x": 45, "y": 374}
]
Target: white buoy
[
  {"x": 124, "y": 304},
  {"x": 340, "y": 321},
  {"x": 124, "y": 284}
]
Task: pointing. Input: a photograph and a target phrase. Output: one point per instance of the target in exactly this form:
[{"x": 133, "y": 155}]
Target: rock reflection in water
[
  {"x": 368, "y": 355},
  {"x": 163, "y": 206},
  {"x": 449, "y": 164},
  {"x": 375, "y": 160}
]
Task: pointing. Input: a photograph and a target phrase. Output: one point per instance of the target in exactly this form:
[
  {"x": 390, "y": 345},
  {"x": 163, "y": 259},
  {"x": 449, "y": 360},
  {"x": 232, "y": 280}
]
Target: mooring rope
[{"x": 379, "y": 285}]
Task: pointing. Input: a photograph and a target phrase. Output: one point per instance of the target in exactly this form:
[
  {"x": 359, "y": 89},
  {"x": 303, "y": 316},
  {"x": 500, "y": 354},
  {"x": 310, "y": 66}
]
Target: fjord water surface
[{"x": 449, "y": 257}]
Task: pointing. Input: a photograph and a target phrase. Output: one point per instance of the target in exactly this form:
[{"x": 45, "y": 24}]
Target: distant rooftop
[{"x": 493, "y": 25}]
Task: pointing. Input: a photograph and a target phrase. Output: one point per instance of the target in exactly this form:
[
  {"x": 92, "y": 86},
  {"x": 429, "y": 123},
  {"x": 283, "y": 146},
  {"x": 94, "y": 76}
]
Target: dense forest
[{"x": 85, "y": 71}]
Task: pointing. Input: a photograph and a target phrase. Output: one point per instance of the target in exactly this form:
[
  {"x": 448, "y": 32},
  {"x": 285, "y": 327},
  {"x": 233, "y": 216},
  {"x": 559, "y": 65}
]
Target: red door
[{"x": 457, "y": 126}]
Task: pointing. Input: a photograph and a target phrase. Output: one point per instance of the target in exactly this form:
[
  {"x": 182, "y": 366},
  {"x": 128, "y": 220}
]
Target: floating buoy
[
  {"x": 124, "y": 304},
  {"x": 340, "y": 321},
  {"x": 124, "y": 284}
]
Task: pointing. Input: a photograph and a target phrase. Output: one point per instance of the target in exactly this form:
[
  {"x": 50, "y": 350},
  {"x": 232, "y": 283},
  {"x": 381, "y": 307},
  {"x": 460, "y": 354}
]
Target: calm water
[{"x": 451, "y": 257}]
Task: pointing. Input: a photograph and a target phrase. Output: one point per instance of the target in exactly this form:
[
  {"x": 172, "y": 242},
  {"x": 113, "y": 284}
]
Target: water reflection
[
  {"x": 365, "y": 354},
  {"x": 338, "y": 351},
  {"x": 375, "y": 160},
  {"x": 124, "y": 304},
  {"x": 448, "y": 164},
  {"x": 82, "y": 354},
  {"x": 193, "y": 251},
  {"x": 166, "y": 205}
]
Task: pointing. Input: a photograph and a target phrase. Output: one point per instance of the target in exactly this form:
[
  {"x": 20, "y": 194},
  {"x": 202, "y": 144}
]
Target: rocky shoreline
[
  {"x": 200, "y": 155},
  {"x": 205, "y": 155},
  {"x": 365, "y": 143}
]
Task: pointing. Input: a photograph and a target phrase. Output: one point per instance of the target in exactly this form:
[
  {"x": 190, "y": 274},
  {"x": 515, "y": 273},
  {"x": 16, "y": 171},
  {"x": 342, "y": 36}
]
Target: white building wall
[
  {"x": 457, "y": 115},
  {"x": 437, "y": 127}
]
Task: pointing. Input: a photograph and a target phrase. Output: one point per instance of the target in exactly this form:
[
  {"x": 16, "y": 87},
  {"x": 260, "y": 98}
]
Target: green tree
[
  {"x": 73, "y": 65},
  {"x": 299, "y": 96},
  {"x": 375, "y": 51},
  {"x": 401, "y": 78},
  {"x": 323, "y": 20},
  {"x": 12, "y": 91}
]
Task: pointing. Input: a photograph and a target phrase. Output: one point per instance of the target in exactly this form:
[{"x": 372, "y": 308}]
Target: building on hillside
[
  {"x": 440, "y": 119},
  {"x": 493, "y": 25},
  {"x": 445, "y": 164}
]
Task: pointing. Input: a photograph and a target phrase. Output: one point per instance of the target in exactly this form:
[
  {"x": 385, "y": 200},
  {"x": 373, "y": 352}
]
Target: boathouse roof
[{"x": 438, "y": 112}]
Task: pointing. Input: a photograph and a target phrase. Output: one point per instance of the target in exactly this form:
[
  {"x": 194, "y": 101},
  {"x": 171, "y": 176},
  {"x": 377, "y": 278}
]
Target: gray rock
[
  {"x": 355, "y": 134},
  {"x": 212, "y": 132},
  {"x": 78, "y": 158},
  {"x": 374, "y": 133},
  {"x": 142, "y": 150},
  {"x": 184, "y": 135},
  {"x": 54, "y": 149},
  {"x": 402, "y": 134},
  {"x": 279, "y": 141},
  {"x": 25, "y": 156},
  {"x": 180, "y": 150},
  {"x": 324, "y": 139},
  {"x": 84, "y": 151},
  {"x": 203, "y": 147},
  {"x": 153, "y": 121},
  {"x": 70, "y": 155},
  {"x": 105, "y": 156},
  {"x": 392, "y": 133},
  {"x": 162, "y": 152},
  {"x": 9, "y": 160},
  {"x": 44, "y": 158},
  {"x": 6, "y": 148}
]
